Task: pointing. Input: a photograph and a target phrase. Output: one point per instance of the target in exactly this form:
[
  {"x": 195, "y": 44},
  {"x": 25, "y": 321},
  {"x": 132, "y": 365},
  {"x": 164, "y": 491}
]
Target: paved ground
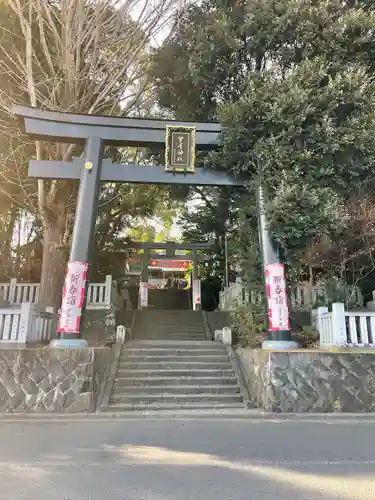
[{"x": 187, "y": 460}]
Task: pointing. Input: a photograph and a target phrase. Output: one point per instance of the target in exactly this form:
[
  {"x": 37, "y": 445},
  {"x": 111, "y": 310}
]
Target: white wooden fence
[
  {"x": 99, "y": 295},
  {"x": 16, "y": 293},
  {"x": 22, "y": 322},
  {"x": 301, "y": 297},
  {"x": 238, "y": 293},
  {"x": 104, "y": 295},
  {"x": 340, "y": 328},
  {"x": 25, "y": 324}
]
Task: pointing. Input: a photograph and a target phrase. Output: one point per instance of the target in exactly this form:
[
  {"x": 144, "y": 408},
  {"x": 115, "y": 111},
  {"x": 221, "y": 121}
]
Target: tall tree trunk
[
  {"x": 8, "y": 270},
  {"x": 55, "y": 258},
  {"x": 311, "y": 284}
]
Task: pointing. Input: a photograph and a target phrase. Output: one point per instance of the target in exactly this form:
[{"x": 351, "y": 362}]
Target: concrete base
[
  {"x": 67, "y": 343},
  {"x": 279, "y": 345}
]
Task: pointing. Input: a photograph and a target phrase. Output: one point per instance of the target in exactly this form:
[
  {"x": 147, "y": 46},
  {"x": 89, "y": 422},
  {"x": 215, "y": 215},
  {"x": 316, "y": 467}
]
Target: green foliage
[
  {"x": 209, "y": 218},
  {"x": 337, "y": 291},
  {"x": 311, "y": 125},
  {"x": 126, "y": 212},
  {"x": 292, "y": 81},
  {"x": 309, "y": 337},
  {"x": 250, "y": 324},
  {"x": 310, "y": 143}
]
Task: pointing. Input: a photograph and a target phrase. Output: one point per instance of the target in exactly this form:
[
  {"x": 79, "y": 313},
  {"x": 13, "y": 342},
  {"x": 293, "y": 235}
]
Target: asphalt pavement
[{"x": 194, "y": 459}]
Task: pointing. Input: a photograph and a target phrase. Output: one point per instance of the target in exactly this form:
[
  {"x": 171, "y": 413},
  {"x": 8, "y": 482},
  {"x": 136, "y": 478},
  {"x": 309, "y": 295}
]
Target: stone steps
[
  {"x": 163, "y": 323},
  {"x": 172, "y": 313},
  {"x": 164, "y": 382},
  {"x": 210, "y": 405},
  {"x": 172, "y": 375},
  {"x": 169, "y": 325},
  {"x": 178, "y": 373},
  {"x": 167, "y": 321},
  {"x": 121, "y": 390},
  {"x": 169, "y": 337},
  {"x": 146, "y": 398},
  {"x": 169, "y": 351},
  {"x": 173, "y": 365},
  {"x": 200, "y": 358},
  {"x": 173, "y": 330},
  {"x": 190, "y": 345}
]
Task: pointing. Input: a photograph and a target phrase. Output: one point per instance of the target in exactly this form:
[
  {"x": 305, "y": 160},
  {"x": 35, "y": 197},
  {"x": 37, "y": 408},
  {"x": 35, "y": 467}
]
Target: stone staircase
[
  {"x": 169, "y": 299},
  {"x": 173, "y": 375},
  {"x": 154, "y": 324}
]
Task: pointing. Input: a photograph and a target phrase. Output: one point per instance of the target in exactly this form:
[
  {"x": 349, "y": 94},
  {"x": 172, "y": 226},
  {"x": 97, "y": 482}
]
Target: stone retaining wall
[
  {"x": 309, "y": 381},
  {"x": 49, "y": 380}
]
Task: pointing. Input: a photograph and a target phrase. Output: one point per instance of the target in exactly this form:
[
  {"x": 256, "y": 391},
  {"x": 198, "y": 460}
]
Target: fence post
[
  {"x": 117, "y": 299},
  {"x": 318, "y": 319},
  {"x": 221, "y": 301},
  {"x": 227, "y": 335},
  {"x": 108, "y": 290},
  {"x": 339, "y": 324},
  {"x": 371, "y": 305},
  {"x": 26, "y": 322},
  {"x": 120, "y": 334},
  {"x": 12, "y": 290}
]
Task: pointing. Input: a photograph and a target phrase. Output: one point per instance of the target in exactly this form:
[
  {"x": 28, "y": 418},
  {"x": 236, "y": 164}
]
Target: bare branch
[{"x": 85, "y": 56}]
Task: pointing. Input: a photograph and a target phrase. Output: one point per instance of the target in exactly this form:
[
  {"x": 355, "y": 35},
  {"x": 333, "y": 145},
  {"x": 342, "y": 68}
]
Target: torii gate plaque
[{"x": 181, "y": 139}]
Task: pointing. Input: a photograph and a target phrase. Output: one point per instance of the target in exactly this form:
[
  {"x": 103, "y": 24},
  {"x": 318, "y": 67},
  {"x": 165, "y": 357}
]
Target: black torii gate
[{"x": 181, "y": 140}]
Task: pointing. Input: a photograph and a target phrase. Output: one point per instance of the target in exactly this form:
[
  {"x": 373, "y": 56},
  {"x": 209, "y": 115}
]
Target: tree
[
  {"x": 210, "y": 217},
  {"x": 129, "y": 213},
  {"x": 292, "y": 82},
  {"x": 85, "y": 56}
]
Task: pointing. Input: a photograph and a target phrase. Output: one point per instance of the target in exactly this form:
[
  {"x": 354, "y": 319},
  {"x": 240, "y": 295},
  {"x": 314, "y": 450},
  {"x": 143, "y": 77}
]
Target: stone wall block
[
  {"x": 30, "y": 387},
  {"x": 69, "y": 364},
  {"x": 8, "y": 382},
  {"x": 51, "y": 380},
  {"x": 56, "y": 370},
  {"x": 310, "y": 381},
  {"x": 67, "y": 383},
  {"x": 83, "y": 404},
  {"x": 38, "y": 374}
]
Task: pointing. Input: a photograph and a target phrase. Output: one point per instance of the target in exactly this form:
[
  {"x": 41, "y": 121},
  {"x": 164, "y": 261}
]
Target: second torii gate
[{"x": 171, "y": 249}]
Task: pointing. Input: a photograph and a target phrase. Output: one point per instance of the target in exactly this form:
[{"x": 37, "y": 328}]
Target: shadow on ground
[{"x": 187, "y": 460}]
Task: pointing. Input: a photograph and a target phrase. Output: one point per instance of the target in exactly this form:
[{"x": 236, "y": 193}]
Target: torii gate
[
  {"x": 181, "y": 140},
  {"x": 171, "y": 249}
]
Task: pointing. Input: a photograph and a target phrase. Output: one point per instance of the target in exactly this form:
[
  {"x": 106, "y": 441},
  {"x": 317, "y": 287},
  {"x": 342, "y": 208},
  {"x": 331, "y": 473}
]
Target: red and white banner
[
  {"x": 196, "y": 293},
  {"x": 143, "y": 294},
  {"x": 177, "y": 265},
  {"x": 278, "y": 313},
  {"x": 73, "y": 295}
]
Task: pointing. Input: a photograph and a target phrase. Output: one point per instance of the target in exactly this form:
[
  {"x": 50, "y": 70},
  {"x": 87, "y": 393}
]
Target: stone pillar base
[
  {"x": 67, "y": 343},
  {"x": 279, "y": 345}
]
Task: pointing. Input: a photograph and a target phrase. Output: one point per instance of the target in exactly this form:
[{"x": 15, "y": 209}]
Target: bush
[
  {"x": 337, "y": 291},
  {"x": 249, "y": 322}
]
